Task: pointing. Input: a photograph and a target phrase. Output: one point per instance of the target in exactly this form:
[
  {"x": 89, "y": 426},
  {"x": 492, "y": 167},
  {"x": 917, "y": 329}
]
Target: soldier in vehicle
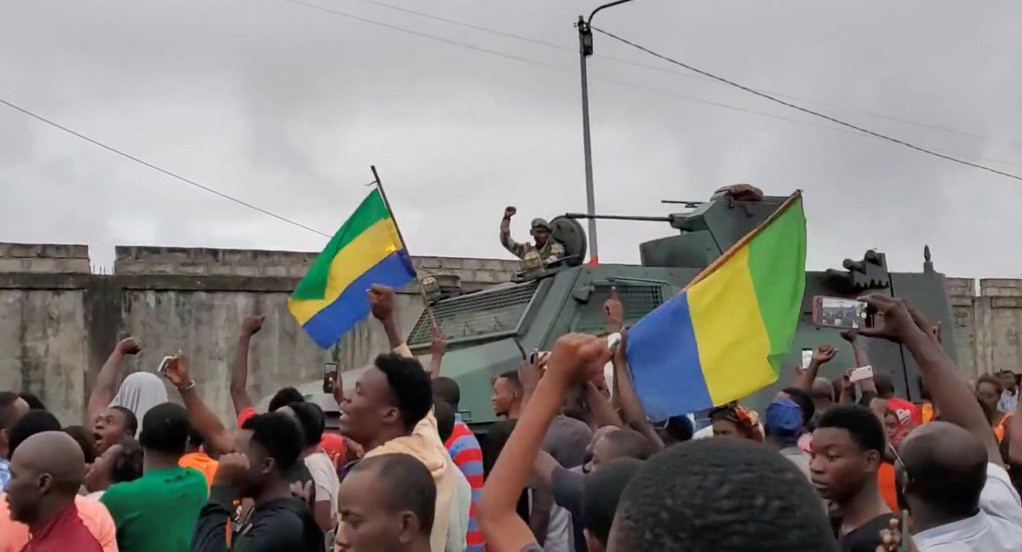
[{"x": 549, "y": 249}]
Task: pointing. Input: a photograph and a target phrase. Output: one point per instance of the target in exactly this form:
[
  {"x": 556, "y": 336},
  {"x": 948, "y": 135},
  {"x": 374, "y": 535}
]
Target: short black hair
[
  {"x": 859, "y": 422},
  {"x": 987, "y": 378},
  {"x": 310, "y": 417},
  {"x": 85, "y": 439},
  {"x": 410, "y": 385},
  {"x": 165, "y": 429},
  {"x": 447, "y": 389},
  {"x": 949, "y": 483},
  {"x": 804, "y": 401},
  {"x": 696, "y": 497},
  {"x": 33, "y": 401},
  {"x": 34, "y": 421},
  {"x": 406, "y": 484},
  {"x": 7, "y": 400},
  {"x": 130, "y": 421},
  {"x": 444, "y": 418},
  {"x": 195, "y": 438},
  {"x": 884, "y": 384},
  {"x": 601, "y": 493},
  {"x": 277, "y": 433},
  {"x": 512, "y": 377},
  {"x": 629, "y": 443},
  {"x": 285, "y": 397},
  {"x": 127, "y": 465}
]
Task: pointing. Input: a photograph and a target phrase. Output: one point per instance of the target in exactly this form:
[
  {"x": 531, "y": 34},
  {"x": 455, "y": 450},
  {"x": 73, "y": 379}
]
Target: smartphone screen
[
  {"x": 836, "y": 312},
  {"x": 807, "y": 357},
  {"x": 164, "y": 364},
  {"x": 330, "y": 370}
]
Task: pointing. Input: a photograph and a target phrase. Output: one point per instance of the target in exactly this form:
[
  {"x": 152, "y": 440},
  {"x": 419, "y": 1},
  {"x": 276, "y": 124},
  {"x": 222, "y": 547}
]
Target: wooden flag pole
[
  {"x": 422, "y": 290},
  {"x": 745, "y": 240}
]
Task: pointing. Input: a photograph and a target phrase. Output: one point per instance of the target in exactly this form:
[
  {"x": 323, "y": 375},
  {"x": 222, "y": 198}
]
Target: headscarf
[
  {"x": 746, "y": 420},
  {"x": 908, "y": 415},
  {"x": 139, "y": 392}
]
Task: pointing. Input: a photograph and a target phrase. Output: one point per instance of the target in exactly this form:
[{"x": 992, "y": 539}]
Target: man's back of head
[
  {"x": 393, "y": 496},
  {"x": 33, "y": 422},
  {"x": 447, "y": 390},
  {"x": 165, "y": 431},
  {"x": 272, "y": 439},
  {"x": 719, "y": 495},
  {"x": 624, "y": 443},
  {"x": 944, "y": 470},
  {"x": 884, "y": 385}
]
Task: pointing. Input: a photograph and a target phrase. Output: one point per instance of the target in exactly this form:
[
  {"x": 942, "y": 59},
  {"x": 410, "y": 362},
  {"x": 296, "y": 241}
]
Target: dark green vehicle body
[{"x": 488, "y": 331}]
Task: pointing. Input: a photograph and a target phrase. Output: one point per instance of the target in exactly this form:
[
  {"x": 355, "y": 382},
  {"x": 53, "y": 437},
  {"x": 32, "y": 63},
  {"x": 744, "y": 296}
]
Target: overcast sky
[{"x": 286, "y": 106}]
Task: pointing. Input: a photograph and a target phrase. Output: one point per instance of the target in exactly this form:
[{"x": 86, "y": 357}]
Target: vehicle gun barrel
[{"x": 617, "y": 217}]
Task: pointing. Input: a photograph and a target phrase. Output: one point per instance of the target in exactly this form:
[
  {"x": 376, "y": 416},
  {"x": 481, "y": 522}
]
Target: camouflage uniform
[{"x": 551, "y": 251}]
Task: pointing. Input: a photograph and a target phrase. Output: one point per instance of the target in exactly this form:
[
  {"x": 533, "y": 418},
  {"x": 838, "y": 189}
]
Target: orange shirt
[
  {"x": 14, "y": 535},
  {"x": 1000, "y": 426},
  {"x": 888, "y": 488},
  {"x": 201, "y": 462}
]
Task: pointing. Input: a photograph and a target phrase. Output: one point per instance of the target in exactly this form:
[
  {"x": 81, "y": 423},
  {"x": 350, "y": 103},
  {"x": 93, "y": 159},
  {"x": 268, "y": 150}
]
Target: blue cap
[{"x": 783, "y": 418}]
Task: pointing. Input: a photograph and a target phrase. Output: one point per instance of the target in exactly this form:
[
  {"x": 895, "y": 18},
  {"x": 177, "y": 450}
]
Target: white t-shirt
[
  {"x": 327, "y": 486},
  {"x": 457, "y": 523},
  {"x": 996, "y": 528}
]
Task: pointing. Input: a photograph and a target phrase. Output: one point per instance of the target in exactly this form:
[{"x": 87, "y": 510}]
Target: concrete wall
[{"x": 58, "y": 322}]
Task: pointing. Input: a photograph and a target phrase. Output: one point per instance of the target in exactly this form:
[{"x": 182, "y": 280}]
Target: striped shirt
[{"x": 468, "y": 456}]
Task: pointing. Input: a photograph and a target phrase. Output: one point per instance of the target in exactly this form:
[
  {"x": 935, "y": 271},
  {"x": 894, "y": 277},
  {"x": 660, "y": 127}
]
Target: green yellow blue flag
[
  {"x": 367, "y": 250},
  {"x": 725, "y": 335}
]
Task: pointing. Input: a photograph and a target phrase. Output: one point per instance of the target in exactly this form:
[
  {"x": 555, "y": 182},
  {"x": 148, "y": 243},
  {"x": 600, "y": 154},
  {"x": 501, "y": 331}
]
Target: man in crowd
[
  {"x": 1009, "y": 397},
  {"x": 847, "y": 449},
  {"x": 508, "y": 396},
  {"x": 47, "y": 471},
  {"x": 549, "y": 249},
  {"x": 387, "y": 505},
  {"x": 988, "y": 393},
  {"x": 324, "y": 475},
  {"x": 14, "y": 535},
  {"x": 950, "y": 472},
  {"x": 269, "y": 447},
  {"x": 783, "y": 427},
  {"x": 12, "y": 407},
  {"x": 390, "y": 412},
  {"x": 157, "y": 512},
  {"x": 600, "y": 499},
  {"x": 464, "y": 449}
]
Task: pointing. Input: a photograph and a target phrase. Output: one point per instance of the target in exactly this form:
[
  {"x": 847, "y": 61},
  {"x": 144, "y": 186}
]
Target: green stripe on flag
[
  {"x": 372, "y": 210},
  {"x": 777, "y": 263}
]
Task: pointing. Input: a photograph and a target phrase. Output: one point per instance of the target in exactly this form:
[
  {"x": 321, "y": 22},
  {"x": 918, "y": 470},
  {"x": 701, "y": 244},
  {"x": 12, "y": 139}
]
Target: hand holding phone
[
  {"x": 837, "y": 312},
  {"x": 862, "y": 373},
  {"x": 330, "y": 372}
]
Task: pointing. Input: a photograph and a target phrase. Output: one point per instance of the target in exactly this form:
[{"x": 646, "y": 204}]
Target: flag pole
[
  {"x": 745, "y": 240},
  {"x": 418, "y": 282}
]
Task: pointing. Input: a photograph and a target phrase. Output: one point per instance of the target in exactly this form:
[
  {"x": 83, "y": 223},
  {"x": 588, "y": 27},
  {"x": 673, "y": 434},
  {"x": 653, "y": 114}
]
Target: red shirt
[{"x": 61, "y": 533}]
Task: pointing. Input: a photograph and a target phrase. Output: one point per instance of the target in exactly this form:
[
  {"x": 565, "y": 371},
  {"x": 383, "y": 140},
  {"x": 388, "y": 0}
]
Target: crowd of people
[{"x": 574, "y": 466}]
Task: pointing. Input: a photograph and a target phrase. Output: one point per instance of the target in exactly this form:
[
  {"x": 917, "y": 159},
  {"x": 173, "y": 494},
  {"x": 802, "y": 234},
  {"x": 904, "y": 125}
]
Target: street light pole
[
  {"x": 585, "y": 42},
  {"x": 585, "y": 49}
]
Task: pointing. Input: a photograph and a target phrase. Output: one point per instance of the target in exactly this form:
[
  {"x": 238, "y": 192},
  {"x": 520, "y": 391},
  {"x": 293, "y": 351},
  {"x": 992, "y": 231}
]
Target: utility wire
[
  {"x": 561, "y": 69},
  {"x": 158, "y": 169},
  {"x": 505, "y": 34},
  {"x": 805, "y": 110}
]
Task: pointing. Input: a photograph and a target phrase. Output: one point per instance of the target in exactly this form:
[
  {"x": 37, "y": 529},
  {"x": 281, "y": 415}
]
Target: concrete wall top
[
  {"x": 53, "y": 258},
  {"x": 1000, "y": 288}
]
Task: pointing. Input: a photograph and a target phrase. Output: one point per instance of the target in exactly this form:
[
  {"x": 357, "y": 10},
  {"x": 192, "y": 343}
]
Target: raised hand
[
  {"x": 614, "y": 310},
  {"x": 129, "y": 346},
  {"x": 252, "y": 324},
  {"x": 439, "y": 344},
  {"x": 510, "y": 211},
  {"x": 895, "y": 320},
  {"x": 381, "y": 301},
  {"x": 232, "y": 468},
  {"x": 575, "y": 356},
  {"x": 177, "y": 370},
  {"x": 823, "y": 354},
  {"x": 850, "y": 335}
]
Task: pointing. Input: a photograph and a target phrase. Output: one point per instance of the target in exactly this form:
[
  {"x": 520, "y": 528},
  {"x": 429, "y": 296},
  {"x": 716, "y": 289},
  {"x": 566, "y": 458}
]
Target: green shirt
[{"x": 157, "y": 513}]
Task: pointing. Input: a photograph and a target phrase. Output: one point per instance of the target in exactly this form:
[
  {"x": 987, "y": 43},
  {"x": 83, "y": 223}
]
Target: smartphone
[
  {"x": 330, "y": 370},
  {"x": 836, "y": 312},
  {"x": 861, "y": 373},
  {"x": 807, "y": 358},
  {"x": 164, "y": 365}
]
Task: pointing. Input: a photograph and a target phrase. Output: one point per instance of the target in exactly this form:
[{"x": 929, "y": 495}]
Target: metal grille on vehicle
[
  {"x": 638, "y": 301},
  {"x": 485, "y": 313}
]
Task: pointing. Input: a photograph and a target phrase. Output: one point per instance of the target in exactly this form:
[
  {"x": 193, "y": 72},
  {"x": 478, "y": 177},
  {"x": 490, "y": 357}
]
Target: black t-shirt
[{"x": 867, "y": 537}]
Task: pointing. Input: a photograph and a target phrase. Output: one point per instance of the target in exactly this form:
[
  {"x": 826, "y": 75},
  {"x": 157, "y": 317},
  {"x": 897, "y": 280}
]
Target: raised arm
[
  {"x": 626, "y": 396},
  {"x": 804, "y": 378},
  {"x": 503, "y": 529},
  {"x": 105, "y": 386},
  {"x": 436, "y": 357},
  {"x": 239, "y": 372},
  {"x": 199, "y": 415},
  {"x": 511, "y": 245},
  {"x": 901, "y": 323}
]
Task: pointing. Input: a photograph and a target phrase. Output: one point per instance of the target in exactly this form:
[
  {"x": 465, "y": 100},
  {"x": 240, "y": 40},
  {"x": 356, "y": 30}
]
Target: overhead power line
[
  {"x": 526, "y": 39},
  {"x": 158, "y": 169},
  {"x": 806, "y": 110}
]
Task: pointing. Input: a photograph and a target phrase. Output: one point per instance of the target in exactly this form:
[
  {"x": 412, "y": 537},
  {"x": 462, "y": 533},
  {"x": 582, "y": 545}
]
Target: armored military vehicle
[{"x": 490, "y": 331}]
